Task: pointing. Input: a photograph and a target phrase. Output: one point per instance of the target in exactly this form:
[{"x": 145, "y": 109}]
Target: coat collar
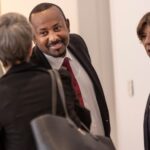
[{"x": 20, "y": 67}]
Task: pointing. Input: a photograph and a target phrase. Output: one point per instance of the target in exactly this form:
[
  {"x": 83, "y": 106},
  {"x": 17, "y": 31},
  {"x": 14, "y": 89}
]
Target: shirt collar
[{"x": 56, "y": 62}]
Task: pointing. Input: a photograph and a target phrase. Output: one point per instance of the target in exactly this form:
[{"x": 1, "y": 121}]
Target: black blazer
[
  {"x": 147, "y": 125},
  {"x": 25, "y": 93},
  {"x": 79, "y": 49}
]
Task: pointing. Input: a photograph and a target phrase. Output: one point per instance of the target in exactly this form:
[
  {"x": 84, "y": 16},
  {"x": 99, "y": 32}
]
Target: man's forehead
[{"x": 48, "y": 12}]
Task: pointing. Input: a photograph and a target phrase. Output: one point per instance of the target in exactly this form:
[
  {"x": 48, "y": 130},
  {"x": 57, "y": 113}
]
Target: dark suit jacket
[
  {"x": 25, "y": 93},
  {"x": 147, "y": 125},
  {"x": 79, "y": 49}
]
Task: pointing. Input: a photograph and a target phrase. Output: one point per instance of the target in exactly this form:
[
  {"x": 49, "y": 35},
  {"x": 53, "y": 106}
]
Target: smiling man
[{"x": 54, "y": 43}]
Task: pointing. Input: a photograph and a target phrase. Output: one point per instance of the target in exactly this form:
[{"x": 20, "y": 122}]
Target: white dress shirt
[{"x": 87, "y": 90}]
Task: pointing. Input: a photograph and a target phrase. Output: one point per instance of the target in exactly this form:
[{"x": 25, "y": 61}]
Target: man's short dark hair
[{"x": 44, "y": 6}]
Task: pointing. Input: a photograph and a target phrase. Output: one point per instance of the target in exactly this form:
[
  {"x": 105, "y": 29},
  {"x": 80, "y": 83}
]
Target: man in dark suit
[{"x": 53, "y": 43}]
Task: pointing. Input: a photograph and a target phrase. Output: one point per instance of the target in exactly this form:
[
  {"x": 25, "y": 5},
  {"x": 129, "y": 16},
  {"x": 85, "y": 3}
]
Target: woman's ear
[
  {"x": 34, "y": 39},
  {"x": 30, "y": 52}
]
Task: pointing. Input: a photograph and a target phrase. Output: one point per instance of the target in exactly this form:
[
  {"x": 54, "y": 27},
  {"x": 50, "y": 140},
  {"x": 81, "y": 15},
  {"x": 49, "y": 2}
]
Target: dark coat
[
  {"x": 79, "y": 49},
  {"x": 147, "y": 125},
  {"x": 25, "y": 93}
]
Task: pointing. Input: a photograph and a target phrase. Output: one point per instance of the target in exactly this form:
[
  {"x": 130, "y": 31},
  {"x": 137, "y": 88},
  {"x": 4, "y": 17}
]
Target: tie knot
[{"x": 66, "y": 63}]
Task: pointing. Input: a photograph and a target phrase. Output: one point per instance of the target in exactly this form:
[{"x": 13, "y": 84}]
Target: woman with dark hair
[{"x": 143, "y": 33}]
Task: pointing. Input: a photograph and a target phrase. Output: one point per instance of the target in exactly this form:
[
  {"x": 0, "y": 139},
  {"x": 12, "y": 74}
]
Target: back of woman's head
[{"x": 15, "y": 38}]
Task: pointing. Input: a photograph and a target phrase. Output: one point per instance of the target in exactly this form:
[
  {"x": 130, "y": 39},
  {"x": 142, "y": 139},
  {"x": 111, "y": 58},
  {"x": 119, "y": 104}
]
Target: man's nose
[{"x": 52, "y": 36}]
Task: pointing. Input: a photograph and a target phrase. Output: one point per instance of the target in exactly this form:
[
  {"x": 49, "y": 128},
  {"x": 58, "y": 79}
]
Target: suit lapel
[{"x": 84, "y": 61}]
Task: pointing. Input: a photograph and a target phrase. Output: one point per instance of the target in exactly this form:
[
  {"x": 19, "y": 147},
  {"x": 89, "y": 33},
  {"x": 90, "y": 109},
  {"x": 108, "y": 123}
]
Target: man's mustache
[{"x": 49, "y": 44}]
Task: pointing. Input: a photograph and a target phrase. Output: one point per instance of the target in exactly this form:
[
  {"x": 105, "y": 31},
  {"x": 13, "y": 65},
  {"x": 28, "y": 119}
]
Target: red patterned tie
[{"x": 76, "y": 87}]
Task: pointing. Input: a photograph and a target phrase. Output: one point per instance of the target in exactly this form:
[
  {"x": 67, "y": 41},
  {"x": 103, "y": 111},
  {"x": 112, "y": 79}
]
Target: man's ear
[{"x": 68, "y": 24}]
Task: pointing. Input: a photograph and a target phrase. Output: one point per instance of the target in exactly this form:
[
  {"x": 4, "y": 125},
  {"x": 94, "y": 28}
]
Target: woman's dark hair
[{"x": 145, "y": 20}]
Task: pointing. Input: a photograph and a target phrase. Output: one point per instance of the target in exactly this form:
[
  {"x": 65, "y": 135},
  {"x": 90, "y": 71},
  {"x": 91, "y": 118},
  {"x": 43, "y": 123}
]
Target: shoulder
[
  {"x": 76, "y": 38},
  {"x": 78, "y": 43}
]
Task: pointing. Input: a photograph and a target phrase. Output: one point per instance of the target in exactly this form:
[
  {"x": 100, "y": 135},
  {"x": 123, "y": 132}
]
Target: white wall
[
  {"x": 130, "y": 63},
  {"x": 25, "y": 6},
  {"x": 120, "y": 60}
]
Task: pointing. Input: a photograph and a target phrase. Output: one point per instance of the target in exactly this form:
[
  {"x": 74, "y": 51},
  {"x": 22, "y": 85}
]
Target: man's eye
[
  {"x": 43, "y": 33},
  {"x": 57, "y": 28}
]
